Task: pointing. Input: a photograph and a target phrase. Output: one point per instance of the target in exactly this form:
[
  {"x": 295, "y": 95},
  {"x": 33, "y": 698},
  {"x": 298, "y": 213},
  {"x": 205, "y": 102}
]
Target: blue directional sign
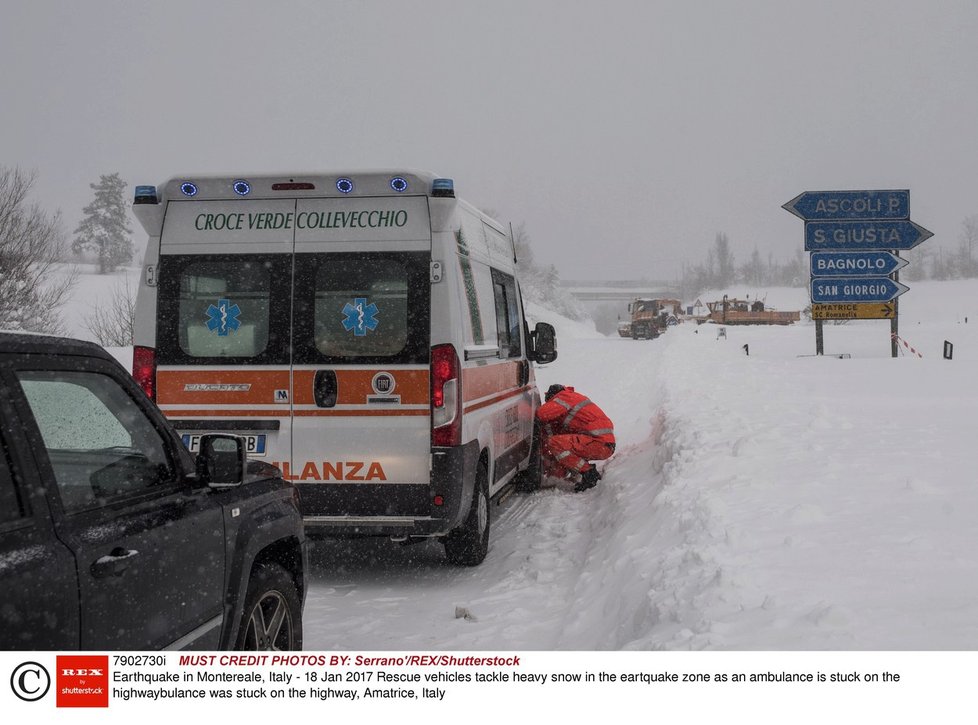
[
  {"x": 849, "y": 264},
  {"x": 855, "y": 289},
  {"x": 842, "y": 205},
  {"x": 861, "y": 235}
]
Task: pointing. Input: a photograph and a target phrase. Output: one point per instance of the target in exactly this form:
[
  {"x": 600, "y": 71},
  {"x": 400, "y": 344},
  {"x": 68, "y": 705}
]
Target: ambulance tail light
[
  {"x": 144, "y": 369},
  {"x": 446, "y": 397}
]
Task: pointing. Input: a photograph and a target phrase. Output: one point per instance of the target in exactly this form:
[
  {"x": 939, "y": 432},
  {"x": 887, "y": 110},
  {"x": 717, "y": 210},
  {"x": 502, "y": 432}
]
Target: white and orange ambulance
[{"x": 364, "y": 332}]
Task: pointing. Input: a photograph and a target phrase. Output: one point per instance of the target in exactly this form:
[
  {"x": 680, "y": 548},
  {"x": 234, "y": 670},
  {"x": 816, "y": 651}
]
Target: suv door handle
[
  {"x": 324, "y": 388},
  {"x": 114, "y": 563}
]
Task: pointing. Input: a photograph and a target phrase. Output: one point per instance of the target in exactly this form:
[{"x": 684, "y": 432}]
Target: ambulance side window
[{"x": 507, "y": 314}]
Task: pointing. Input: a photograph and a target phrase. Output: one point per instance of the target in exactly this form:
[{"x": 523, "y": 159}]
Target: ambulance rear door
[
  {"x": 361, "y": 346},
  {"x": 224, "y": 321}
]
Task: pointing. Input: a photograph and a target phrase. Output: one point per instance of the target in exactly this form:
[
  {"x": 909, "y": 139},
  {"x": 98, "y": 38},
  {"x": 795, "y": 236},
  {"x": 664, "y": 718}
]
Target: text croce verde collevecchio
[{"x": 240, "y": 221}]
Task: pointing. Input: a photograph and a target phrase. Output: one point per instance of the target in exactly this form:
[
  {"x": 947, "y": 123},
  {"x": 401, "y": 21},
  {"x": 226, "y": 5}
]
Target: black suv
[{"x": 113, "y": 536}]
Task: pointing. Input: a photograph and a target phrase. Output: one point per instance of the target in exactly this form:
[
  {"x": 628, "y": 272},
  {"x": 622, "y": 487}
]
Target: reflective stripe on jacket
[{"x": 570, "y": 412}]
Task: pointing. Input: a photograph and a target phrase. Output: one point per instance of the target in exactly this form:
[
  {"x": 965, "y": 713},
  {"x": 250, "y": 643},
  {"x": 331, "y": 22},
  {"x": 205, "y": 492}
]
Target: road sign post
[
  {"x": 854, "y": 237},
  {"x": 895, "y": 322}
]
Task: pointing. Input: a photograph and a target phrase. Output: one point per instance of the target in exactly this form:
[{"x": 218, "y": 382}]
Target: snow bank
[{"x": 825, "y": 503}]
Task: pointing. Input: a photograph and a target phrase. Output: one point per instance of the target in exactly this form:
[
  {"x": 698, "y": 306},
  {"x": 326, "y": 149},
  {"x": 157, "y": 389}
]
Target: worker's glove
[{"x": 589, "y": 479}]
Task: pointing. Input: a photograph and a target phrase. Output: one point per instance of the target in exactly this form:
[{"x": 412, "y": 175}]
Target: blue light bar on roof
[
  {"x": 146, "y": 195},
  {"x": 344, "y": 185},
  {"x": 241, "y": 187},
  {"x": 443, "y": 187}
]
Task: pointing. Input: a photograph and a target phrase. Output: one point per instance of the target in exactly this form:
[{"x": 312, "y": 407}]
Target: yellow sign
[{"x": 854, "y": 311}]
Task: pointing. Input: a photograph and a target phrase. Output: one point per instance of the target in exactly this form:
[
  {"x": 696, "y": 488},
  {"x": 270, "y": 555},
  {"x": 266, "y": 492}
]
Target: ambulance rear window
[
  {"x": 222, "y": 308},
  {"x": 359, "y": 308}
]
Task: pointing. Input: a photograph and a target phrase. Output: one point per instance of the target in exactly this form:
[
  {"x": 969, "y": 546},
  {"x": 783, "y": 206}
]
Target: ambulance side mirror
[{"x": 543, "y": 343}]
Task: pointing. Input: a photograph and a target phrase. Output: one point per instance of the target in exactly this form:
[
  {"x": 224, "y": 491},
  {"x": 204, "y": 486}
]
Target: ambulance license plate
[{"x": 254, "y": 444}]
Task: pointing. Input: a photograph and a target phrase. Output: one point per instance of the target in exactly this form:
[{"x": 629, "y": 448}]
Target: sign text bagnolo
[{"x": 847, "y": 264}]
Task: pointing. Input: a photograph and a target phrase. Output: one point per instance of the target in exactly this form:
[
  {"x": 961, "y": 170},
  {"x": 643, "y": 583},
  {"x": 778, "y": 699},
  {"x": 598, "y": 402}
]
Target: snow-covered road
[
  {"x": 547, "y": 553},
  {"x": 770, "y": 501}
]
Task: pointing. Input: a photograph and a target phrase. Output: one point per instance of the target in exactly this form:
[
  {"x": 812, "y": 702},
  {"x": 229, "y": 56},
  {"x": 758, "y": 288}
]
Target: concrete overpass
[{"x": 619, "y": 291}]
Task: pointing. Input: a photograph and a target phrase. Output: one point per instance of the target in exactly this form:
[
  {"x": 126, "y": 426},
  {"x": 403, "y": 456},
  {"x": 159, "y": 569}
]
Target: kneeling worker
[{"x": 575, "y": 431}]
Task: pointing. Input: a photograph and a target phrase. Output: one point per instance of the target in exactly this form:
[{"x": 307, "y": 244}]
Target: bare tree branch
[
  {"x": 113, "y": 323},
  {"x": 31, "y": 241}
]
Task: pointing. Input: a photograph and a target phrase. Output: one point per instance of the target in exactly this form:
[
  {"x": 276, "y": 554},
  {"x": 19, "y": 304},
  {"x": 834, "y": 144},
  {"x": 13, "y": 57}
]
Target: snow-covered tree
[
  {"x": 31, "y": 292},
  {"x": 105, "y": 230}
]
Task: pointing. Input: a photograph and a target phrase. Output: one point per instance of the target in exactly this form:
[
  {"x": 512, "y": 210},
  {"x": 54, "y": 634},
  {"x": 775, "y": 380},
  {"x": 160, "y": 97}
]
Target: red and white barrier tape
[{"x": 906, "y": 345}]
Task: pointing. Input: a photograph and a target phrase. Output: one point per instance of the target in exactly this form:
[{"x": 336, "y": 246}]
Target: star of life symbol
[
  {"x": 360, "y": 316},
  {"x": 223, "y": 318}
]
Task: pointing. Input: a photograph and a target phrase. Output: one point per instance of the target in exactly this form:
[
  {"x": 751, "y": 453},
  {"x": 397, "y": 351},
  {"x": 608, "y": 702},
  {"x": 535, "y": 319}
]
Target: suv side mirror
[
  {"x": 222, "y": 460},
  {"x": 543, "y": 343}
]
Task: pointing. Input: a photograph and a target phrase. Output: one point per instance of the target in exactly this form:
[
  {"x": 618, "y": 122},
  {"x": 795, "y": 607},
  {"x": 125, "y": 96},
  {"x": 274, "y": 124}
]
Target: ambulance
[{"x": 364, "y": 332}]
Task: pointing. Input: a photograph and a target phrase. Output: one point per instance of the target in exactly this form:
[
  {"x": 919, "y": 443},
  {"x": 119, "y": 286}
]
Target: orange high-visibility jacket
[{"x": 570, "y": 412}]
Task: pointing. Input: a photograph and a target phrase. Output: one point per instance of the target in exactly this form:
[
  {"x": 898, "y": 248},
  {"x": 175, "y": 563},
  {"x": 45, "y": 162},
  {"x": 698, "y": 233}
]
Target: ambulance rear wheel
[{"x": 469, "y": 543}]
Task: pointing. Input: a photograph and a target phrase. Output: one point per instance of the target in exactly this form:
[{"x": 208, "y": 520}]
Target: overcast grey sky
[{"x": 625, "y": 134}]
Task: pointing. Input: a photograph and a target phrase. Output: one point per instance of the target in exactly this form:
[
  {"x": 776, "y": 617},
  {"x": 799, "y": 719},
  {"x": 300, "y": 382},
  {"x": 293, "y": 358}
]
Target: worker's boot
[{"x": 589, "y": 479}]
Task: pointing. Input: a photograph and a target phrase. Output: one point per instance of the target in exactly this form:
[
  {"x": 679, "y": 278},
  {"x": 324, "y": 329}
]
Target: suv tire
[{"x": 272, "y": 617}]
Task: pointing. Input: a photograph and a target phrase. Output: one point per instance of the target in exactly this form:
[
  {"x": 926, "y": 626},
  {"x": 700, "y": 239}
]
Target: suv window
[{"x": 99, "y": 442}]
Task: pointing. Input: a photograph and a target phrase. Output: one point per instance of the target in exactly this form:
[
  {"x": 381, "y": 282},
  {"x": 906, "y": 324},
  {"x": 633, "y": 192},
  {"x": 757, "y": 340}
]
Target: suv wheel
[
  {"x": 469, "y": 543},
  {"x": 272, "y": 618}
]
